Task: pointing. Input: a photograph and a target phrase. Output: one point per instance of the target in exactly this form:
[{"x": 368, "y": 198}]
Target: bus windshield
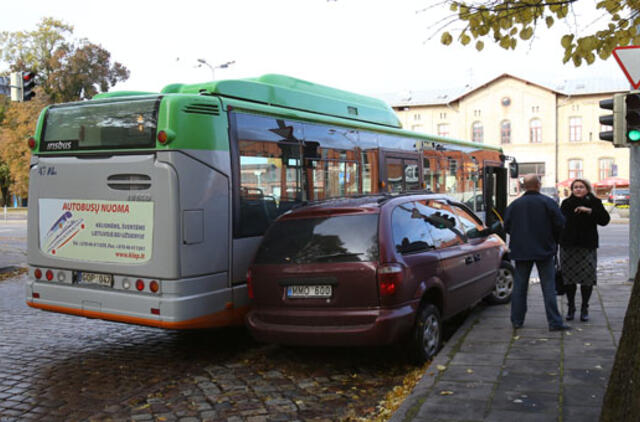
[{"x": 121, "y": 124}]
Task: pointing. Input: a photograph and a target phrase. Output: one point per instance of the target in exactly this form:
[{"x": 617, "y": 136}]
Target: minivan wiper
[{"x": 338, "y": 255}]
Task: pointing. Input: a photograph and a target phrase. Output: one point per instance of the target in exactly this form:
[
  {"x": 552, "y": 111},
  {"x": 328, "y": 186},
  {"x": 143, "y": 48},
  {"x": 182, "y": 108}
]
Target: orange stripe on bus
[{"x": 218, "y": 319}]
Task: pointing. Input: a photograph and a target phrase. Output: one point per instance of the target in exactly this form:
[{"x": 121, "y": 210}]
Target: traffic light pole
[{"x": 634, "y": 210}]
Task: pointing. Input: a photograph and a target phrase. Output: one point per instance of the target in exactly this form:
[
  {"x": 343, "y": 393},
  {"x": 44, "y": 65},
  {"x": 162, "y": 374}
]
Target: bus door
[
  {"x": 400, "y": 171},
  {"x": 495, "y": 192}
]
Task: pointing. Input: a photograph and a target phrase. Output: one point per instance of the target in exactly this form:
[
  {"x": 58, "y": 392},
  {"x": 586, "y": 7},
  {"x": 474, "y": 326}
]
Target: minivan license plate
[
  {"x": 309, "y": 291},
  {"x": 95, "y": 278}
]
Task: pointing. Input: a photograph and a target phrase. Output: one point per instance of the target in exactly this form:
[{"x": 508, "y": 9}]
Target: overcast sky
[{"x": 367, "y": 46}]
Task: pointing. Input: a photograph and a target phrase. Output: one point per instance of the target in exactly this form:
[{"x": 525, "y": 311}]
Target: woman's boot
[
  {"x": 571, "y": 300},
  {"x": 586, "y": 294}
]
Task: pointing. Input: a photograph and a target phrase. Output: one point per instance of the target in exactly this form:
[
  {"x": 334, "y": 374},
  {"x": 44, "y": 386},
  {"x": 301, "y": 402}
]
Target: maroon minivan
[{"x": 374, "y": 270}]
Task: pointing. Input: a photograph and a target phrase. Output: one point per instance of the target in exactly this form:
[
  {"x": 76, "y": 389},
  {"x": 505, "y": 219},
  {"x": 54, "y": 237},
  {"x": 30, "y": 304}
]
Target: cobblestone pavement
[{"x": 61, "y": 367}]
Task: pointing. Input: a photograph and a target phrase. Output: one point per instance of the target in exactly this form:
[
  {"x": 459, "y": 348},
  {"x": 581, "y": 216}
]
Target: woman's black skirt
[{"x": 579, "y": 265}]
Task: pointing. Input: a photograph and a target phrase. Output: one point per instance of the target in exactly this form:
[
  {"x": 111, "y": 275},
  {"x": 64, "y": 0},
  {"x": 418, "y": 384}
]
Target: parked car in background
[
  {"x": 619, "y": 197},
  {"x": 374, "y": 270}
]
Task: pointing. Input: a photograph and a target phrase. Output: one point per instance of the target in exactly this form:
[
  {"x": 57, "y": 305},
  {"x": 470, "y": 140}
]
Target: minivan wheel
[
  {"x": 427, "y": 334},
  {"x": 503, "y": 289}
]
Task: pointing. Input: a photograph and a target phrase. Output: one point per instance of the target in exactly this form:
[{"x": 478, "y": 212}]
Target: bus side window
[{"x": 269, "y": 160}]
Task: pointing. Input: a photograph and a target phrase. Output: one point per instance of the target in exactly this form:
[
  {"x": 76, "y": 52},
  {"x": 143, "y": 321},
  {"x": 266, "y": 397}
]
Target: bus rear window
[
  {"x": 107, "y": 125},
  {"x": 352, "y": 238}
]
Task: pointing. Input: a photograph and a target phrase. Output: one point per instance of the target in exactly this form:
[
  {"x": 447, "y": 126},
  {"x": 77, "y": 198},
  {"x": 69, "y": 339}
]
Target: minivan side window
[
  {"x": 411, "y": 233},
  {"x": 444, "y": 227}
]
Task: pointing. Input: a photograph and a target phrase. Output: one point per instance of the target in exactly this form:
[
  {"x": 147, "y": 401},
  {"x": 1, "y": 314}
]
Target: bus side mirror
[{"x": 513, "y": 169}]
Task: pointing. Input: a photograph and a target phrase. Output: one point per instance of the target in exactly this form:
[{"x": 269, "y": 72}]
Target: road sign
[{"x": 628, "y": 58}]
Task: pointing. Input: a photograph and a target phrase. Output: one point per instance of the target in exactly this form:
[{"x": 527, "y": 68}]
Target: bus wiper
[{"x": 338, "y": 255}]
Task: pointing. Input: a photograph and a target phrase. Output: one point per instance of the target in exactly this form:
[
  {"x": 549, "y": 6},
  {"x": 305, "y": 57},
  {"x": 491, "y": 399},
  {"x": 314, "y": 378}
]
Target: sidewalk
[{"x": 489, "y": 372}]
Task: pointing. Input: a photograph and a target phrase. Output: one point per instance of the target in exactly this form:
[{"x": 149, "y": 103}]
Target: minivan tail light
[
  {"x": 389, "y": 277},
  {"x": 250, "y": 284}
]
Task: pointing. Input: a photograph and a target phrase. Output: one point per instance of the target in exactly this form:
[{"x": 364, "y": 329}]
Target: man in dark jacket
[{"x": 534, "y": 222}]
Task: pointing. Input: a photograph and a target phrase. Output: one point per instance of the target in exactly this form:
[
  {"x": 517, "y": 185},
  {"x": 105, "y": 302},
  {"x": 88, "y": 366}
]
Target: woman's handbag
[{"x": 560, "y": 289}]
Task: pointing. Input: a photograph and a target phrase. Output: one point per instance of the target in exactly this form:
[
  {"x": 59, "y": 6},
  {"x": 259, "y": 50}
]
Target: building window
[
  {"x": 417, "y": 117},
  {"x": 476, "y": 132},
  {"x": 443, "y": 129},
  {"x": 575, "y": 129},
  {"x": 476, "y": 112},
  {"x": 453, "y": 166},
  {"x": 443, "y": 116},
  {"x": 605, "y": 168},
  {"x": 535, "y": 109},
  {"x": 535, "y": 131},
  {"x": 532, "y": 168},
  {"x": 505, "y": 132},
  {"x": 416, "y": 128},
  {"x": 575, "y": 168}
]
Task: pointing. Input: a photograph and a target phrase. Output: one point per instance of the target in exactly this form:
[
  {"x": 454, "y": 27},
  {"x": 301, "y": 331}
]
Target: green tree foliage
[
  {"x": 67, "y": 70},
  {"x": 505, "y": 22}
]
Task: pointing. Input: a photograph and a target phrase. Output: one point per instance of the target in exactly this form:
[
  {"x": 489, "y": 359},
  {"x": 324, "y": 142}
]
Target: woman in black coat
[{"x": 578, "y": 244}]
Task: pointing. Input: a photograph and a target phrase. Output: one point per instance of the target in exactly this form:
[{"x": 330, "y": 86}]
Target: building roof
[{"x": 441, "y": 96}]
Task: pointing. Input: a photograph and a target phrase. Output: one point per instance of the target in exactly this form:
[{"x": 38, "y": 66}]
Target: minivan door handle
[
  {"x": 468, "y": 260},
  {"x": 476, "y": 257}
]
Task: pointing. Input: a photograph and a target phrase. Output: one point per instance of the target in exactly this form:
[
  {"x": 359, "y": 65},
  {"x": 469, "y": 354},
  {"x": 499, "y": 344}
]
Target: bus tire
[
  {"x": 503, "y": 289},
  {"x": 426, "y": 338}
]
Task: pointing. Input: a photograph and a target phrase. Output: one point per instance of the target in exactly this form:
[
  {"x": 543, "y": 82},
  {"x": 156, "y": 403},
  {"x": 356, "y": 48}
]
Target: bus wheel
[
  {"x": 426, "y": 338},
  {"x": 503, "y": 289}
]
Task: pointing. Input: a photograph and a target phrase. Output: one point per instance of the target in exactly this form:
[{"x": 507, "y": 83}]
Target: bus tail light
[
  {"x": 250, "y": 284},
  {"x": 49, "y": 275},
  {"x": 35, "y": 295},
  {"x": 139, "y": 285},
  {"x": 389, "y": 277},
  {"x": 166, "y": 136},
  {"x": 32, "y": 142},
  {"x": 155, "y": 311},
  {"x": 37, "y": 273},
  {"x": 154, "y": 286}
]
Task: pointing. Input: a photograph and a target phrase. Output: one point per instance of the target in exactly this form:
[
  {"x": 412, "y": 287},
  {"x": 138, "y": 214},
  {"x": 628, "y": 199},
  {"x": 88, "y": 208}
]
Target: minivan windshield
[{"x": 344, "y": 238}]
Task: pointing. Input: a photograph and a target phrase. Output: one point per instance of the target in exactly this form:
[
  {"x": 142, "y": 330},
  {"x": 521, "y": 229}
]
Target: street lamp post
[{"x": 213, "y": 68}]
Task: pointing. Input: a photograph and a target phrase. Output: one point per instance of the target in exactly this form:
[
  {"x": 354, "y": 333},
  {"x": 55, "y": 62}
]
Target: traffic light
[
  {"x": 22, "y": 86},
  {"x": 28, "y": 85},
  {"x": 632, "y": 102},
  {"x": 617, "y": 120}
]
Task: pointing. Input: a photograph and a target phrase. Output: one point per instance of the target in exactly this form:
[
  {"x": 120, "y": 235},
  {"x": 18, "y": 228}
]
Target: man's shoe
[{"x": 562, "y": 327}]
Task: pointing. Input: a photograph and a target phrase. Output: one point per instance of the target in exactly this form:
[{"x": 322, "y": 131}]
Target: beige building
[{"x": 551, "y": 132}]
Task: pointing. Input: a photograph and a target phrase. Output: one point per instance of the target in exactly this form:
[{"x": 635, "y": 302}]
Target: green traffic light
[{"x": 634, "y": 135}]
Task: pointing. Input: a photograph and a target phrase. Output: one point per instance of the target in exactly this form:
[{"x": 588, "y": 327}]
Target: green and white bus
[{"x": 147, "y": 208}]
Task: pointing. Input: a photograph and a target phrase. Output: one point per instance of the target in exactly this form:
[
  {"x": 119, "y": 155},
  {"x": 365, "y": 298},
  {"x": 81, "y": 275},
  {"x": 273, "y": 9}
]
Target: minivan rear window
[{"x": 345, "y": 238}]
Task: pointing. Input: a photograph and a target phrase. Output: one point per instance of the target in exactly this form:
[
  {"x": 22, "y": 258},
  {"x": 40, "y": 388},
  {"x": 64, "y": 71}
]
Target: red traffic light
[{"x": 27, "y": 76}]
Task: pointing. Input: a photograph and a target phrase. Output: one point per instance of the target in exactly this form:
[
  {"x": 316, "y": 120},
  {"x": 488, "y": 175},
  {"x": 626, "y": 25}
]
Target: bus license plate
[
  {"x": 95, "y": 278},
  {"x": 309, "y": 291}
]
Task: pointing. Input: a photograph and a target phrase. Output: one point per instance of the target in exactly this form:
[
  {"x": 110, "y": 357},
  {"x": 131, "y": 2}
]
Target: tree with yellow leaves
[{"x": 505, "y": 22}]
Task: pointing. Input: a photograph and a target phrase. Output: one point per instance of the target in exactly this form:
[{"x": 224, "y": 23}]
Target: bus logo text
[{"x": 57, "y": 146}]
